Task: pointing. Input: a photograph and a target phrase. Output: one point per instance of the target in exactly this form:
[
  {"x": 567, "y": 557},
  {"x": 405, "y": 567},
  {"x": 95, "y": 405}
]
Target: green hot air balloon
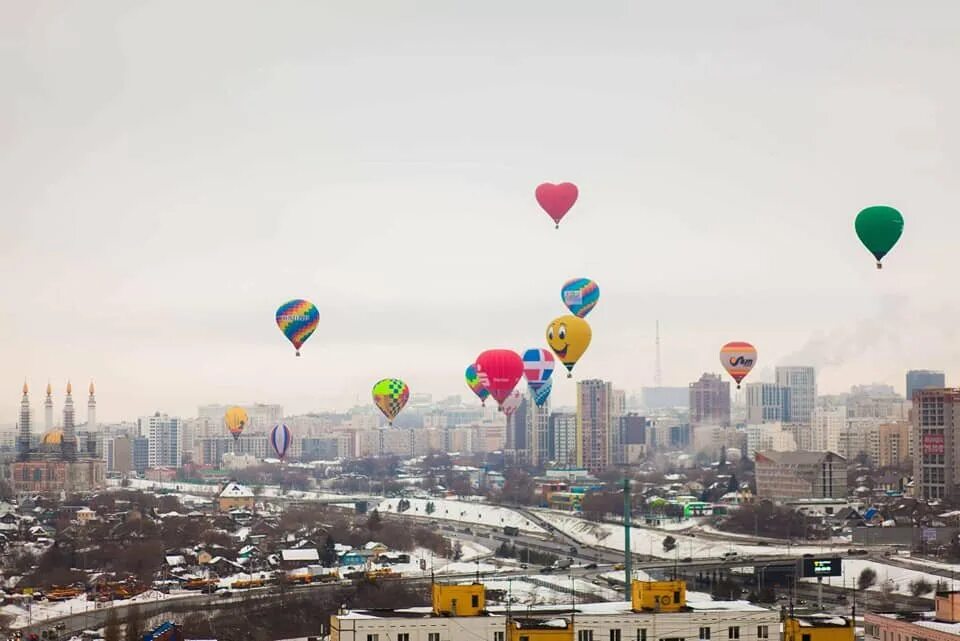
[{"x": 879, "y": 228}]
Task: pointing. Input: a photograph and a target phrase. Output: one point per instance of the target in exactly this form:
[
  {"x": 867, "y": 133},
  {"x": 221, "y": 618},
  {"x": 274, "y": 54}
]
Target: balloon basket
[
  {"x": 879, "y": 265},
  {"x": 557, "y": 226},
  {"x": 569, "y": 374},
  {"x": 298, "y": 353}
]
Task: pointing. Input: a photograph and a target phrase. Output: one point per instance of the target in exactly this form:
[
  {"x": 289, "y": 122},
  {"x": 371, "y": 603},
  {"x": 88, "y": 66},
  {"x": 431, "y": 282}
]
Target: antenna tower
[{"x": 657, "y": 374}]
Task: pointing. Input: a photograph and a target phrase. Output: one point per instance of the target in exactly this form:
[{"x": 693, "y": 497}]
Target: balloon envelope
[
  {"x": 879, "y": 229},
  {"x": 297, "y": 319},
  {"x": 537, "y": 367},
  {"x": 511, "y": 403},
  {"x": 473, "y": 382},
  {"x": 569, "y": 337},
  {"x": 738, "y": 358},
  {"x": 580, "y": 295},
  {"x": 557, "y": 200},
  {"x": 541, "y": 395},
  {"x": 390, "y": 395},
  {"x": 499, "y": 371},
  {"x": 280, "y": 439},
  {"x": 235, "y": 420}
]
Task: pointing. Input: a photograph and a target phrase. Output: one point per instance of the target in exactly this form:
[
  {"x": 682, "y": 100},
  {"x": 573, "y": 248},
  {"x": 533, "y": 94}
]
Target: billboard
[
  {"x": 822, "y": 567},
  {"x": 933, "y": 444}
]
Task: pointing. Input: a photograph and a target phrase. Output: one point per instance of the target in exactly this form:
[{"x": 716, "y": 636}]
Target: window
[
  {"x": 475, "y": 601},
  {"x": 705, "y": 633},
  {"x": 585, "y": 635},
  {"x": 805, "y": 637},
  {"x": 497, "y": 636},
  {"x": 763, "y": 632},
  {"x": 373, "y": 637},
  {"x": 641, "y": 634},
  {"x": 524, "y": 638},
  {"x": 433, "y": 636},
  {"x": 614, "y": 635},
  {"x": 403, "y": 636},
  {"x": 733, "y": 632}
]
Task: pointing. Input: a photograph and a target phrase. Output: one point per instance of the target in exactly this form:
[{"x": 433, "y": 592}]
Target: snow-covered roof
[
  {"x": 302, "y": 554},
  {"x": 234, "y": 490},
  {"x": 175, "y": 560},
  {"x": 371, "y": 545}
]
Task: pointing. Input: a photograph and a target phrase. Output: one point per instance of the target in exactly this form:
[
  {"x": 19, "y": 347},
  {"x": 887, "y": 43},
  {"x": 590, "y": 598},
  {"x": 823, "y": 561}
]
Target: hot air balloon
[
  {"x": 879, "y": 229},
  {"x": 569, "y": 337},
  {"x": 738, "y": 358},
  {"x": 297, "y": 319},
  {"x": 390, "y": 395},
  {"x": 499, "y": 371},
  {"x": 557, "y": 200},
  {"x": 537, "y": 367},
  {"x": 511, "y": 403},
  {"x": 280, "y": 439},
  {"x": 580, "y": 295},
  {"x": 235, "y": 420},
  {"x": 541, "y": 394},
  {"x": 473, "y": 382}
]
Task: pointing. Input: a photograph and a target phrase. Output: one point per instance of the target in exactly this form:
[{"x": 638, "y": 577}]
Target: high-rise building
[
  {"x": 767, "y": 403},
  {"x": 661, "y": 398},
  {"x": 801, "y": 475},
  {"x": 594, "y": 410},
  {"x": 894, "y": 442},
  {"x": 48, "y": 409},
  {"x": 538, "y": 432},
  {"x": 23, "y": 438},
  {"x": 69, "y": 442},
  {"x": 262, "y": 416},
  {"x": 936, "y": 420},
  {"x": 632, "y": 429},
  {"x": 91, "y": 410},
  {"x": 826, "y": 426},
  {"x": 563, "y": 438},
  {"x": 924, "y": 379},
  {"x": 618, "y": 407},
  {"x": 710, "y": 401},
  {"x": 802, "y": 383},
  {"x": 164, "y": 435},
  {"x": 516, "y": 448}
]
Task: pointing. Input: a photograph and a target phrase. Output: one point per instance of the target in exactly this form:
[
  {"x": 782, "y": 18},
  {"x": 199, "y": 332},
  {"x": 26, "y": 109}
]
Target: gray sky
[{"x": 172, "y": 171}]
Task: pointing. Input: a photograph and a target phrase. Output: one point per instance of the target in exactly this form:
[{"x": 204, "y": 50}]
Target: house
[
  {"x": 175, "y": 561},
  {"x": 356, "y": 557},
  {"x": 298, "y": 558},
  {"x": 85, "y": 516},
  {"x": 235, "y": 496},
  {"x": 375, "y": 548}
]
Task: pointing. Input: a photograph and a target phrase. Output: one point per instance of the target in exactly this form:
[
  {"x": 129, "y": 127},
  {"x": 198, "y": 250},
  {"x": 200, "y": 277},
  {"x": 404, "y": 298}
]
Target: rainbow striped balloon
[
  {"x": 738, "y": 358},
  {"x": 297, "y": 319},
  {"x": 580, "y": 295}
]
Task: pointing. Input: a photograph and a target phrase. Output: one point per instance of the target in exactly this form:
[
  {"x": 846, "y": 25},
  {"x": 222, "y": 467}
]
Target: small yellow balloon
[
  {"x": 235, "y": 420},
  {"x": 569, "y": 337}
]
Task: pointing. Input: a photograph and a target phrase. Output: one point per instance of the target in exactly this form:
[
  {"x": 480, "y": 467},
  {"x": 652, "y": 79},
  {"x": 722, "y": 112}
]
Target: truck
[
  {"x": 562, "y": 564},
  {"x": 511, "y": 530}
]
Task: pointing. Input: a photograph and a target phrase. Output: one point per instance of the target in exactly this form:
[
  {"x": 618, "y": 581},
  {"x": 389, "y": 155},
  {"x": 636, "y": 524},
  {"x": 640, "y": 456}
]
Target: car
[
  {"x": 856, "y": 552},
  {"x": 808, "y": 555},
  {"x": 546, "y": 570},
  {"x": 686, "y": 559},
  {"x": 590, "y": 566},
  {"x": 523, "y": 566}
]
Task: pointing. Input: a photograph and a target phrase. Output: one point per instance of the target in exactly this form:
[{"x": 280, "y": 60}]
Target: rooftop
[{"x": 924, "y": 620}]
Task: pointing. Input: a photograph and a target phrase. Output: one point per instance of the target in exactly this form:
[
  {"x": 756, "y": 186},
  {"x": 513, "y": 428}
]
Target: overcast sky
[{"x": 170, "y": 172}]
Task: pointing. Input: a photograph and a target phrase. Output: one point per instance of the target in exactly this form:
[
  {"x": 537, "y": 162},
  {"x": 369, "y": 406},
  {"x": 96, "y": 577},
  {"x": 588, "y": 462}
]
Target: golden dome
[
  {"x": 91, "y": 388},
  {"x": 49, "y": 389},
  {"x": 69, "y": 388},
  {"x": 25, "y": 388},
  {"x": 53, "y": 437}
]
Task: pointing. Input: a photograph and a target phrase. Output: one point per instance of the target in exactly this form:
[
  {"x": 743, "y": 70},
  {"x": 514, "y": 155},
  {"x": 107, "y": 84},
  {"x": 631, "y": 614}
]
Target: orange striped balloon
[{"x": 738, "y": 358}]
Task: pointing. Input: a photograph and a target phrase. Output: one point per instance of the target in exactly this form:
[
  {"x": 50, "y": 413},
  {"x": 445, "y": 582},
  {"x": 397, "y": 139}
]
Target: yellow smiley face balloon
[{"x": 569, "y": 337}]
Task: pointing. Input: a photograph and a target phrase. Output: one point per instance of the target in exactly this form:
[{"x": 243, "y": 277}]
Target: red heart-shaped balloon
[{"x": 557, "y": 200}]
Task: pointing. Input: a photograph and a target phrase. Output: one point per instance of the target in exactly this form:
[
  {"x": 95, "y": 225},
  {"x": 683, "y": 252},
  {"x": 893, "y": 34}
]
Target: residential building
[
  {"x": 632, "y": 429},
  {"x": 802, "y": 383},
  {"x": 936, "y": 417},
  {"x": 517, "y": 448},
  {"x": 165, "y": 437},
  {"x": 710, "y": 401},
  {"x": 894, "y": 444},
  {"x": 594, "y": 413},
  {"x": 942, "y": 624},
  {"x": 918, "y": 379},
  {"x": 660, "y": 398},
  {"x": 563, "y": 438},
  {"x": 460, "y": 612},
  {"x": 767, "y": 403},
  {"x": 769, "y": 436},
  {"x": 818, "y": 627},
  {"x": 801, "y": 474},
  {"x": 618, "y": 407},
  {"x": 826, "y": 425},
  {"x": 861, "y": 437},
  {"x": 537, "y": 432},
  {"x": 710, "y": 439},
  {"x": 234, "y": 496}
]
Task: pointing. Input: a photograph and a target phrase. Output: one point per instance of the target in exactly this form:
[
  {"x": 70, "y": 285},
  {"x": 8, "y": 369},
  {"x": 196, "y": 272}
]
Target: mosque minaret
[{"x": 48, "y": 409}]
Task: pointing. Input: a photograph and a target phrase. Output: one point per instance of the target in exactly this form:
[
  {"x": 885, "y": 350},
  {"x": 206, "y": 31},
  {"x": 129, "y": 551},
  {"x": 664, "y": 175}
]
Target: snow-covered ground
[
  {"x": 523, "y": 593},
  {"x": 650, "y": 542},
  {"x": 582, "y": 585},
  {"x": 464, "y": 512},
  {"x": 898, "y": 578},
  {"x": 28, "y": 612},
  {"x": 200, "y": 490}
]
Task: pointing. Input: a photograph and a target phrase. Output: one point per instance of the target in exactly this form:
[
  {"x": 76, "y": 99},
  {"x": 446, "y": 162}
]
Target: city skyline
[{"x": 161, "y": 202}]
